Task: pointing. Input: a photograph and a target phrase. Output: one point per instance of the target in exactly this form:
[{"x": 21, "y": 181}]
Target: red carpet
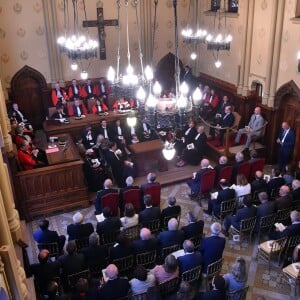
[{"x": 231, "y": 142}]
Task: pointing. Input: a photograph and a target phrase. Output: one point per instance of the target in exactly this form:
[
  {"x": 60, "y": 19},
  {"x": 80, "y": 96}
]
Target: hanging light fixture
[{"x": 76, "y": 46}]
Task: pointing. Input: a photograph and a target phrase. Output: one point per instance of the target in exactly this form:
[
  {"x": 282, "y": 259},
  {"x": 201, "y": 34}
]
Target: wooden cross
[{"x": 100, "y": 23}]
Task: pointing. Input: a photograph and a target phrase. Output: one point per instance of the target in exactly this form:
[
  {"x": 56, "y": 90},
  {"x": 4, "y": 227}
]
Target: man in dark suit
[
  {"x": 195, "y": 182},
  {"x": 218, "y": 289},
  {"x": 190, "y": 259},
  {"x": 61, "y": 114},
  {"x": 115, "y": 287},
  {"x": 149, "y": 213},
  {"x": 120, "y": 168},
  {"x": 194, "y": 152},
  {"x": 212, "y": 247},
  {"x": 78, "y": 109},
  {"x": 107, "y": 188},
  {"x": 44, "y": 235},
  {"x": 88, "y": 137},
  {"x": 103, "y": 129},
  {"x": 194, "y": 227},
  {"x": 225, "y": 102},
  {"x": 94, "y": 254},
  {"x": 110, "y": 224},
  {"x": 172, "y": 236},
  {"x": 226, "y": 120},
  {"x": 118, "y": 134},
  {"x": 146, "y": 243},
  {"x": 45, "y": 271},
  {"x": 291, "y": 230},
  {"x": 151, "y": 181},
  {"x": 172, "y": 209},
  {"x": 276, "y": 182},
  {"x": 286, "y": 141},
  {"x": 264, "y": 209},
  {"x": 296, "y": 190},
  {"x": 226, "y": 193},
  {"x": 246, "y": 212},
  {"x": 285, "y": 199},
  {"x": 144, "y": 131},
  {"x": 258, "y": 184},
  {"x": 79, "y": 230},
  {"x": 71, "y": 263}
]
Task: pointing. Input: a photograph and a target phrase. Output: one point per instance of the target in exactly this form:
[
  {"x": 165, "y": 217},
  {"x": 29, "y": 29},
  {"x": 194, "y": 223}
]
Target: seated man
[
  {"x": 44, "y": 235},
  {"x": 275, "y": 182},
  {"x": 87, "y": 91},
  {"x": 194, "y": 227},
  {"x": 296, "y": 190},
  {"x": 74, "y": 91},
  {"x": 226, "y": 193},
  {"x": 78, "y": 109},
  {"x": 223, "y": 162},
  {"x": 195, "y": 182},
  {"x": 254, "y": 127},
  {"x": 258, "y": 184},
  {"x": 212, "y": 247},
  {"x": 226, "y": 120},
  {"x": 78, "y": 230},
  {"x": 172, "y": 236},
  {"x": 58, "y": 95},
  {"x": 287, "y": 231},
  {"x": 144, "y": 131},
  {"x": 191, "y": 258},
  {"x": 248, "y": 211},
  {"x": 61, "y": 114},
  {"x": 146, "y": 243},
  {"x": 151, "y": 181},
  {"x": 17, "y": 115},
  {"x": 44, "y": 271},
  {"x": 210, "y": 105},
  {"x": 129, "y": 186},
  {"x": 115, "y": 287},
  {"x": 109, "y": 224},
  {"x": 107, "y": 189},
  {"x": 102, "y": 89},
  {"x": 99, "y": 107},
  {"x": 149, "y": 213},
  {"x": 171, "y": 210},
  {"x": 194, "y": 152},
  {"x": 285, "y": 199},
  {"x": 88, "y": 137},
  {"x": 119, "y": 134}
]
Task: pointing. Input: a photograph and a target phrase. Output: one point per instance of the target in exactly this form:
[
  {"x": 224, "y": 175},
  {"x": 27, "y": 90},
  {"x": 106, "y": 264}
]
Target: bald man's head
[
  {"x": 145, "y": 234},
  {"x": 111, "y": 272}
]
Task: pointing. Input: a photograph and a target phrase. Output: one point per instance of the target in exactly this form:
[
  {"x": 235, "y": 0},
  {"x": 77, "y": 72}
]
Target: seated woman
[
  {"x": 242, "y": 186},
  {"x": 236, "y": 280},
  {"x": 141, "y": 281},
  {"x": 130, "y": 217},
  {"x": 167, "y": 271},
  {"x": 194, "y": 152}
]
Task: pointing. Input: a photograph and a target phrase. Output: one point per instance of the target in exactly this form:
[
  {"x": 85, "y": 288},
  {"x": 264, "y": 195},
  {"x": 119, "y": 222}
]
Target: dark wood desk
[
  {"x": 75, "y": 127},
  {"x": 57, "y": 187},
  {"x": 148, "y": 157}
]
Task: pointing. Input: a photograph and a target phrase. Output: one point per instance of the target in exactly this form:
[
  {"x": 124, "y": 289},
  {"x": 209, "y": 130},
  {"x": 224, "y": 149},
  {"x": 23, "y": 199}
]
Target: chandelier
[{"x": 76, "y": 46}]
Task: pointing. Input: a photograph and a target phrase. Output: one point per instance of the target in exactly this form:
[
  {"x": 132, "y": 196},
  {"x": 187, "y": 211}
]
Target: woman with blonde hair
[{"x": 236, "y": 280}]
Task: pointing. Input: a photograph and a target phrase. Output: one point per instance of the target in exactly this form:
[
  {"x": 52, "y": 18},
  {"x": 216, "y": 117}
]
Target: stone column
[
  {"x": 270, "y": 57},
  {"x": 276, "y": 52},
  {"x": 13, "y": 270},
  {"x": 3, "y": 122},
  {"x": 248, "y": 47}
]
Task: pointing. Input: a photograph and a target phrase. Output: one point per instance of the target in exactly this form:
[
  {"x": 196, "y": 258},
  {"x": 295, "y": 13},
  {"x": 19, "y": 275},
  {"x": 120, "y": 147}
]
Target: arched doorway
[{"x": 29, "y": 90}]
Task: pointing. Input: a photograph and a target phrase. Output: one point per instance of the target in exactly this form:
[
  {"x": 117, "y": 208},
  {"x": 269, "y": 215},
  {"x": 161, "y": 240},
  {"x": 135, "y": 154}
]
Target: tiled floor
[{"x": 261, "y": 282}]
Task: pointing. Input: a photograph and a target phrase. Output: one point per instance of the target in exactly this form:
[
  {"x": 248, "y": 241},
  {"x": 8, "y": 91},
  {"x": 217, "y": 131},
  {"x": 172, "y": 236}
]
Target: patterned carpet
[{"x": 261, "y": 281}]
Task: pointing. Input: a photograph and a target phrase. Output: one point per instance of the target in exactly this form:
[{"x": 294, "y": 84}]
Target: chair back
[
  {"x": 237, "y": 120},
  {"x": 255, "y": 196},
  {"x": 111, "y": 200},
  {"x": 244, "y": 168},
  {"x": 225, "y": 173},
  {"x": 51, "y": 247},
  {"x": 142, "y": 296},
  {"x": 168, "y": 250},
  {"x": 207, "y": 181},
  {"x": 283, "y": 215},
  {"x": 146, "y": 259},
  {"x": 153, "y": 225},
  {"x": 257, "y": 165},
  {"x": 133, "y": 196},
  {"x": 266, "y": 223},
  {"x": 191, "y": 275},
  {"x": 73, "y": 278},
  {"x": 196, "y": 240},
  {"x": 154, "y": 191},
  {"x": 124, "y": 264},
  {"x": 51, "y": 111},
  {"x": 132, "y": 233},
  {"x": 227, "y": 208},
  {"x": 274, "y": 193},
  {"x": 108, "y": 239},
  {"x": 293, "y": 241},
  {"x": 96, "y": 270},
  {"x": 90, "y": 103},
  {"x": 238, "y": 295},
  {"x": 214, "y": 268},
  {"x": 247, "y": 225},
  {"x": 168, "y": 287},
  {"x": 166, "y": 220},
  {"x": 82, "y": 243}
]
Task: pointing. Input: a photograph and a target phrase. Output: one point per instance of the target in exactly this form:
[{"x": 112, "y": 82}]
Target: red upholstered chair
[
  {"x": 133, "y": 196},
  {"x": 111, "y": 200},
  {"x": 154, "y": 191},
  {"x": 244, "y": 168},
  {"x": 225, "y": 173},
  {"x": 257, "y": 165},
  {"x": 207, "y": 183}
]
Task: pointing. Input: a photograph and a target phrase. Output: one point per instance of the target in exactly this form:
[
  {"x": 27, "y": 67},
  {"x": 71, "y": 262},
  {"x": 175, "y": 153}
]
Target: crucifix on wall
[{"x": 100, "y": 23}]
